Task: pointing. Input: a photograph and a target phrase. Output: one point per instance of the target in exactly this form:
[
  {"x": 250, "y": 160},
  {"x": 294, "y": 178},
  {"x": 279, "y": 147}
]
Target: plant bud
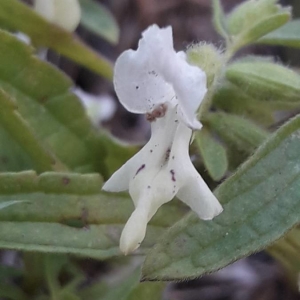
[{"x": 208, "y": 58}]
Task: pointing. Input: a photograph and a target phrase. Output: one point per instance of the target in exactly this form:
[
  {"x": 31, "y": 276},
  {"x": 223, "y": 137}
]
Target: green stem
[
  {"x": 51, "y": 277},
  {"x": 33, "y": 272}
]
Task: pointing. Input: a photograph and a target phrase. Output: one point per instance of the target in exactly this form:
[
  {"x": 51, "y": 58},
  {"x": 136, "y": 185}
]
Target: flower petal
[
  {"x": 189, "y": 84},
  {"x": 150, "y": 156},
  {"x": 197, "y": 195},
  {"x": 155, "y": 74},
  {"x": 119, "y": 181},
  {"x": 137, "y": 80},
  {"x": 192, "y": 189},
  {"x": 134, "y": 231}
]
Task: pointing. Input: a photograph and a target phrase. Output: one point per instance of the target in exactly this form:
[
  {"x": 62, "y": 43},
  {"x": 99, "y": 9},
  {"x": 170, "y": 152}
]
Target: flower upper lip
[{"x": 155, "y": 74}]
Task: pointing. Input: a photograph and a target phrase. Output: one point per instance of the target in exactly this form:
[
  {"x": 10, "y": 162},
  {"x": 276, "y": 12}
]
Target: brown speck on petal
[
  {"x": 140, "y": 169},
  {"x": 158, "y": 112},
  {"x": 173, "y": 175},
  {"x": 167, "y": 154}
]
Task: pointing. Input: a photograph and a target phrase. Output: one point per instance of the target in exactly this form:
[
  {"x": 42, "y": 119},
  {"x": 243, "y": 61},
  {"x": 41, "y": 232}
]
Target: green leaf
[
  {"x": 99, "y": 20},
  {"x": 232, "y": 100},
  {"x": 287, "y": 35},
  {"x": 55, "y": 115},
  {"x": 17, "y": 16},
  {"x": 219, "y": 20},
  {"x": 265, "y": 81},
  {"x": 240, "y": 136},
  {"x": 67, "y": 213},
  {"x": 117, "y": 153},
  {"x": 213, "y": 154},
  {"x": 253, "y": 19},
  {"x": 12, "y": 157},
  {"x": 265, "y": 26},
  {"x": 236, "y": 130},
  {"x": 261, "y": 203},
  {"x": 20, "y": 131}
]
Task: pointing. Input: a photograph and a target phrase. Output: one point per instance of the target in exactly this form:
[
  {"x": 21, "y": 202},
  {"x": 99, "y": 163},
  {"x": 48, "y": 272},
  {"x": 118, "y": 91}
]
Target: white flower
[
  {"x": 65, "y": 13},
  {"x": 159, "y": 82}
]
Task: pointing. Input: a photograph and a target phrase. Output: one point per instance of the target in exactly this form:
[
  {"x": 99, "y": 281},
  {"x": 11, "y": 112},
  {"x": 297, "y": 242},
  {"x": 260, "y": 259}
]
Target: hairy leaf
[
  {"x": 265, "y": 81},
  {"x": 213, "y": 154},
  {"x": 253, "y": 19},
  {"x": 287, "y": 35},
  {"x": 235, "y": 130},
  {"x": 219, "y": 20},
  {"x": 232, "y": 100}
]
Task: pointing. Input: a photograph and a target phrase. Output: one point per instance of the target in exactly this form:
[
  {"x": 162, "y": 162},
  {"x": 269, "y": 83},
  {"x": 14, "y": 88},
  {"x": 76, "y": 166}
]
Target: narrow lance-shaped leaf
[
  {"x": 263, "y": 27},
  {"x": 213, "y": 154},
  {"x": 219, "y": 18},
  {"x": 12, "y": 157},
  {"x": 233, "y": 100},
  {"x": 99, "y": 20},
  {"x": 236, "y": 130},
  {"x": 253, "y": 19},
  {"x": 67, "y": 213},
  {"x": 19, "y": 17},
  {"x": 265, "y": 81},
  {"x": 19, "y": 130},
  {"x": 287, "y": 35},
  {"x": 261, "y": 203}
]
